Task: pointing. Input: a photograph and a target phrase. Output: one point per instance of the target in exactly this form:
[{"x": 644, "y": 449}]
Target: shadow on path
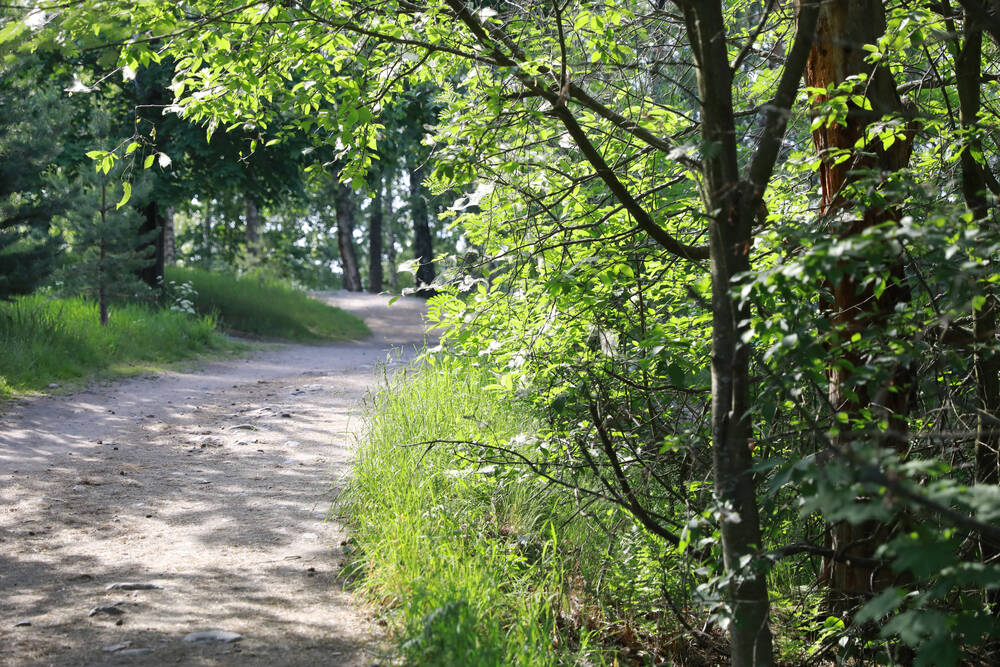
[{"x": 214, "y": 486}]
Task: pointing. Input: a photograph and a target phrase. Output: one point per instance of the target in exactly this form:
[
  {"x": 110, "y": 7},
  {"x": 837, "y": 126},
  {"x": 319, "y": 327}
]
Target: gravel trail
[{"x": 182, "y": 518}]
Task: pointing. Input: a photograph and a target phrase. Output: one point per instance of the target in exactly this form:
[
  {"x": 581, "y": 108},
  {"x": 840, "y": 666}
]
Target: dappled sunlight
[{"x": 213, "y": 488}]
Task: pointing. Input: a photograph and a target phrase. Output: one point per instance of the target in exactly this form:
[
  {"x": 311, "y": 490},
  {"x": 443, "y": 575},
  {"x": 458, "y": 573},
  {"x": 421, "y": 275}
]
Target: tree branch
[
  {"x": 987, "y": 16},
  {"x": 590, "y": 152},
  {"x": 630, "y": 500},
  {"x": 778, "y": 111},
  {"x": 816, "y": 550}
]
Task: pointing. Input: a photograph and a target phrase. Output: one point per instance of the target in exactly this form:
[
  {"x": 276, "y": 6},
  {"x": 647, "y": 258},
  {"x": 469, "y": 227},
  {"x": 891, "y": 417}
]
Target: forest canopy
[{"x": 737, "y": 257}]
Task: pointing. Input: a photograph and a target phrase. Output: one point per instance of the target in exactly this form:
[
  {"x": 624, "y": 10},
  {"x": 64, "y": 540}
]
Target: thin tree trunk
[
  {"x": 423, "y": 250},
  {"x": 729, "y": 243},
  {"x": 102, "y": 292},
  {"x": 151, "y": 95},
  {"x": 206, "y": 233},
  {"x": 968, "y": 67},
  {"x": 390, "y": 236},
  {"x": 844, "y": 26},
  {"x": 345, "y": 238},
  {"x": 375, "y": 238},
  {"x": 169, "y": 239},
  {"x": 732, "y": 200},
  {"x": 252, "y": 226}
]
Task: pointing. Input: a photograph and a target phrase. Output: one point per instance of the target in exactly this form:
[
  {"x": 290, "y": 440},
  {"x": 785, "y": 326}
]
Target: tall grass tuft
[
  {"x": 468, "y": 561},
  {"x": 45, "y": 339},
  {"x": 266, "y": 307}
]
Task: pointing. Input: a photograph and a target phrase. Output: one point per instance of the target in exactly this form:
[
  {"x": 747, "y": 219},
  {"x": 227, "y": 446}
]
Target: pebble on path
[
  {"x": 110, "y": 609},
  {"x": 116, "y": 647}
]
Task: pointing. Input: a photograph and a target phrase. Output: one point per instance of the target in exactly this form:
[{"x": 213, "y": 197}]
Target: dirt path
[{"x": 214, "y": 485}]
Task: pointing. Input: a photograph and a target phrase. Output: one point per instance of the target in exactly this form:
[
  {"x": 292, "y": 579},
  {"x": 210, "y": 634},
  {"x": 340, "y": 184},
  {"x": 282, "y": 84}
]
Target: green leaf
[
  {"x": 676, "y": 374},
  {"x": 11, "y": 30},
  {"x": 880, "y": 606},
  {"x": 126, "y": 194},
  {"x": 914, "y": 626},
  {"x": 148, "y": 162},
  {"x": 862, "y": 101},
  {"x": 940, "y": 652}
]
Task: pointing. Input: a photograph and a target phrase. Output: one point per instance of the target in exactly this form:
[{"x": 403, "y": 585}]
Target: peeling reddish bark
[{"x": 843, "y": 28}]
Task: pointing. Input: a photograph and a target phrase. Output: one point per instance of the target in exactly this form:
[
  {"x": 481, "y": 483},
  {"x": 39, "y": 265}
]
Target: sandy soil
[{"x": 214, "y": 485}]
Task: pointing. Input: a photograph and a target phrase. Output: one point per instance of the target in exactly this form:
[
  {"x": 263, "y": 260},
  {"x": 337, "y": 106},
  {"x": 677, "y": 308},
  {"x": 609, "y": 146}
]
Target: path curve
[{"x": 214, "y": 485}]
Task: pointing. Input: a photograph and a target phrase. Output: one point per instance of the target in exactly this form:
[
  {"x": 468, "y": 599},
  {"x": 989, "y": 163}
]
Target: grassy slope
[
  {"x": 266, "y": 308},
  {"x": 467, "y": 562},
  {"x": 45, "y": 340}
]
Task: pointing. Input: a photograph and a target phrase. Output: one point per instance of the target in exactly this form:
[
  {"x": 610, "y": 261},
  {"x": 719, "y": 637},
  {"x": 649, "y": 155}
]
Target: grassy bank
[
  {"x": 266, "y": 308},
  {"x": 473, "y": 565},
  {"x": 46, "y": 340}
]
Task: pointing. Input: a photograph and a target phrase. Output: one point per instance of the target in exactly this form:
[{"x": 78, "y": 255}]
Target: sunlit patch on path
[{"x": 183, "y": 519}]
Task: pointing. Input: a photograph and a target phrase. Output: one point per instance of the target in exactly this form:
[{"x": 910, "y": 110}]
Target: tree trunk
[
  {"x": 975, "y": 190},
  {"x": 750, "y": 634},
  {"x": 253, "y": 225},
  {"x": 345, "y": 238},
  {"x": 102, "y": 291},
  {"x": 375, "y": 238},
  {"x": 968, "y": 66},
  {"x": 206, "y": 233},
  {"x": 169, "y": 239},
  {"x": 149, "y": 95},
  {"x": 390, "y": 236},
  {"x": 844, "y": 26},
  {"x": 152, "y": 274},
  {"x": 423, "y": 249},
  {"x": 729, "y": 242}
]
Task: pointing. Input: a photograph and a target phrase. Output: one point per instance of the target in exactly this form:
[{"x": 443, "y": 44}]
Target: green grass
[
  {"x": 267, "y": 308},
  {"x": 468, "y": 561},
  {"x": 46, "y": 340}
]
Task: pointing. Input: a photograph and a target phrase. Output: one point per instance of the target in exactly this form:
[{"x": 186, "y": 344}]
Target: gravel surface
[{"x": 183, "y": 518}]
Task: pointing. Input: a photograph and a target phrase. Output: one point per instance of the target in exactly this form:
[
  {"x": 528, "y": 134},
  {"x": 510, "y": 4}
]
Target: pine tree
[
  {"x": 31, "y": 192},
  {"x": 108, "y": 249}
]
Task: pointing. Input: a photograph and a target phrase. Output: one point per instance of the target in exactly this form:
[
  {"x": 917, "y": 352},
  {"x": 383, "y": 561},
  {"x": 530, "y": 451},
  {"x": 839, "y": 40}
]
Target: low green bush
[
  {"x": 46, "y": 339},
  {"x": 264, "y": 307}
]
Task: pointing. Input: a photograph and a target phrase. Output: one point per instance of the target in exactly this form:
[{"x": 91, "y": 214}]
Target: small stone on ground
[{"x": 209, "y": 636}]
